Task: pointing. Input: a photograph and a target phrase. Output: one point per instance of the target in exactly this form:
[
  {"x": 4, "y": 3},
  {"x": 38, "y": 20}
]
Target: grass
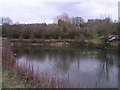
[
  {"x": 96, "y": 41},
  {"x": 10, "y": 80},
  {"x": 0, "y": 78},
  {"x": 114, "y": 43},
  {"x": 45, "y": 40},
  {"x": 9, "y": 77},
  {"x": 52, "y": 40}
]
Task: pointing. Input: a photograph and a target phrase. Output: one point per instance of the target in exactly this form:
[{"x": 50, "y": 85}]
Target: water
[{"x": 83, "y": 67}]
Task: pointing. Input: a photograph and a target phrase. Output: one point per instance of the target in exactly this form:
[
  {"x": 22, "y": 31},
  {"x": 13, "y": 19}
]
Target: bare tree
[
  {"x": 78, "y": 21},
  {"x": 6, "y": 20}
]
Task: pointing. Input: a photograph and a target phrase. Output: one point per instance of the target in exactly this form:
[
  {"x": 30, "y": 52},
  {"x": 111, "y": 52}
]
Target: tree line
[{"x": 65, "y": 27}]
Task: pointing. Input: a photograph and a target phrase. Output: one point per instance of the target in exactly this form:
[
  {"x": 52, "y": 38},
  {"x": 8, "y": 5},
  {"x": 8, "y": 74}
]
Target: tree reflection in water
[{"x": 75, "y": 64}]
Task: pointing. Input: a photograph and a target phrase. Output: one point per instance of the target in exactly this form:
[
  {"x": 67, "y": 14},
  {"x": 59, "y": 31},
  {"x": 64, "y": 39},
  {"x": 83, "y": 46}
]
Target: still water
[{"x": 84, "y": 67}]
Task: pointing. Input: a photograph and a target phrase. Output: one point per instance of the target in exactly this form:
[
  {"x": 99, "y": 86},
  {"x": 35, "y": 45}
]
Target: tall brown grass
[{"x": 8, "y": 60}]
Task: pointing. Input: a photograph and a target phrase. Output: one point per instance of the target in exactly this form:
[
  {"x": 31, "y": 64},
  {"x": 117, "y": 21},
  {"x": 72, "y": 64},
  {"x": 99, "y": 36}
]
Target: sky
[{"x": 40, "y": 11}]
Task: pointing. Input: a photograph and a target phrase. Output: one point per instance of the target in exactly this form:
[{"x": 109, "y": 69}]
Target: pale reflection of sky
[{"x": 85, "y": 70}]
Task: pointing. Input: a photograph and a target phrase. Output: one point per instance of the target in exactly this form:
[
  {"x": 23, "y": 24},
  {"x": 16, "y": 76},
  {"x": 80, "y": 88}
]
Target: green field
[
  {"x": 11, "y": 80},
  {"x": 0, "y": 78}
]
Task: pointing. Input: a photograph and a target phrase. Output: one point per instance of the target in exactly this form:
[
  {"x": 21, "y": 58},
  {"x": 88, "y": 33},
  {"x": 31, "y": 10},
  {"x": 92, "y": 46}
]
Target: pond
[{"x": 87, "y": 68}]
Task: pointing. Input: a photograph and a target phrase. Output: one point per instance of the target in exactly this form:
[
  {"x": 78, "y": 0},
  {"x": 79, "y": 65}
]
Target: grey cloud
[{"x": 37, "y": 11}]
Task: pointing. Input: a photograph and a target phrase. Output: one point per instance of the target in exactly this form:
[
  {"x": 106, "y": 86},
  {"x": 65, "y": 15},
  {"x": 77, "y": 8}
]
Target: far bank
[{"x": 71, "y": 43}]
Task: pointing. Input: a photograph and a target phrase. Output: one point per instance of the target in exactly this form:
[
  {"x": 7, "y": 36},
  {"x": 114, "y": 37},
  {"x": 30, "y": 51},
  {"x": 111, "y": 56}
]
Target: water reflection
[{"x": 84, "y": 67}]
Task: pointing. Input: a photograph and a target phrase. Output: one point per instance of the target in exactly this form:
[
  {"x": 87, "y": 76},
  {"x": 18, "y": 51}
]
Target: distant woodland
[{"x": 64, "y": 27}]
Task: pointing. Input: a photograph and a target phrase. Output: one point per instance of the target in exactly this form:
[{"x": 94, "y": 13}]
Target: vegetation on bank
[
  {"x": 0, "y": 78},
  {"x": 9, "y": 76},
  {"x": 65, "y": 27},
  {"x": 76, "y": 43},
  {"x": 11, "y": 80}
]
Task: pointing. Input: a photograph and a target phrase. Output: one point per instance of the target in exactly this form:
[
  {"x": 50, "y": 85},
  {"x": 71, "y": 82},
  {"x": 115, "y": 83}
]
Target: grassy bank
[
  {"x": 41, "y": 40},
  {"x": 94, "y": 41},
  {"x": 76, "y": 43},
  {"x": 11, "y": 80},
  {"x": 0, "y": 78}
]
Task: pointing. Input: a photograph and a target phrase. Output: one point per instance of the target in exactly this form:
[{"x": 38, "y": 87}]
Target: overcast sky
[{"x": 37, "y": 11}]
